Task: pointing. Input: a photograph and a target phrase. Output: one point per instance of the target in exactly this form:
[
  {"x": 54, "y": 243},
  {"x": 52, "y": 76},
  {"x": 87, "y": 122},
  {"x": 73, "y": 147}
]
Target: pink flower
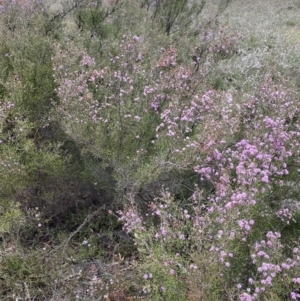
[
  {"x": 163, "y": 231},
  {"x": 251, "y": 281},
  {"x": 245, "y": 297},
  {"x": 229, "y": 205},
  {"x": 136, "y": 38},
  {"x": 295, "y": 296}
]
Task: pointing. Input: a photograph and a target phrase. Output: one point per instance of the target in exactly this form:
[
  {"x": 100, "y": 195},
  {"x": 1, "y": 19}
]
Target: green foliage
[
  {"x": 90, "y": 20},
  {"x": 32, "y": 69},
  {"x": 12, "y": 218},
  {"x": 167, "y": 12},
  {"x": 218, "y": 84}
]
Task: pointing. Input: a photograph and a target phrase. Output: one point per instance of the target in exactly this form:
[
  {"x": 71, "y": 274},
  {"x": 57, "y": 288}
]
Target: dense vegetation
[{"x": 150, "y": 150}]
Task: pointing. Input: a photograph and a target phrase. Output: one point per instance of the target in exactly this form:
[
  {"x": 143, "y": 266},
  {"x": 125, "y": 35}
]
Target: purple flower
[
  {"x": 136, "y": 38},
  {"x": 163, "y": 231}
]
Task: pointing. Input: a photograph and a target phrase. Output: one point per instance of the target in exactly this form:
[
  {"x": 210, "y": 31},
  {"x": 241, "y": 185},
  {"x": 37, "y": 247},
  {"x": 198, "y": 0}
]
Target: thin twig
[
  {"x": 87, "y": 219},
  {"x": 67, "y": 241}
]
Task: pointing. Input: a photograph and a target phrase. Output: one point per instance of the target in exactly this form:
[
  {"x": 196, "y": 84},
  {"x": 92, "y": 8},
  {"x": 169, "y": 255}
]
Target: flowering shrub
[{"x": 149, "y": 150}]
